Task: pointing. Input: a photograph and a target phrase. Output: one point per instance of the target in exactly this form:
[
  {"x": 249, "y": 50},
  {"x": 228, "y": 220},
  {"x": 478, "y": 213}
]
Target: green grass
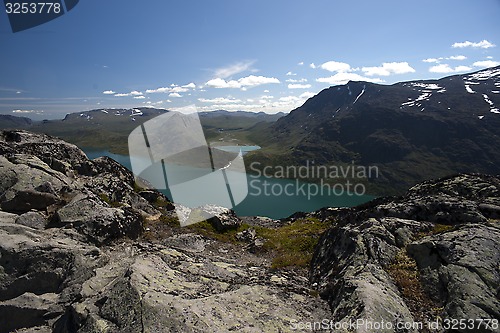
[
  {"x": 158, "y": 230},
  {"x": 404, "y": 272},
  {"x": 436, "y": 229},
  {"x": 206, "y": 229},
  {"x": 106, "y": 199},
  {"x": 293, "y": 244}
]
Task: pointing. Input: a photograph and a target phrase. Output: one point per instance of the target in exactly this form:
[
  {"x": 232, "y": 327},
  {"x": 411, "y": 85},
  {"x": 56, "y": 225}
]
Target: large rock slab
[
  {"x": 173, "y": 290},
  {"x": 41, "y": 272},
  {"x": 100, "y": 224},
  {"x": 462, "y": 267}
]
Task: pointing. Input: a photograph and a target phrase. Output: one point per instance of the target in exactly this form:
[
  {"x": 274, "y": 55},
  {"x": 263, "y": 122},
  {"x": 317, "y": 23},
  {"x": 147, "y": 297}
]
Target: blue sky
[{"x": 237, "y": 55}]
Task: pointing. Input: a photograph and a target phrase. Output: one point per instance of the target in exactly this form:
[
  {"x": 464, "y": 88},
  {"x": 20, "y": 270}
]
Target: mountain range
[
  {"x": 411, "y": 131},
  {"x": 8, "y": 121},
  {"x": 108, "y": 129}
]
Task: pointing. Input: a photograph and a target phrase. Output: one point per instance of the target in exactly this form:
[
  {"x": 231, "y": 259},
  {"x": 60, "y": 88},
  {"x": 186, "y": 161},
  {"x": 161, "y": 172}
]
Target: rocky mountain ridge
[{"x": 85, "y": 249}]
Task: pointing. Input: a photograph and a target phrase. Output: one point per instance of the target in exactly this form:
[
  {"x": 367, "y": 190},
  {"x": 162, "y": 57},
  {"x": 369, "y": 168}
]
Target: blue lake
[{"x": 271, "y": 197}]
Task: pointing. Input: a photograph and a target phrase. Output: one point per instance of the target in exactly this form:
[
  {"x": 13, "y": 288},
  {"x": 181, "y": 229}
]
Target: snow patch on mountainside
[
  {"x": 423, "y": 97},
  {"x": 469, "y": 90},
  {"x": 360, "y": 94},
  {"x": 493, "y": 109},
  {"x": 484, "y": 75},
  {"x": 431, "y": 86},
  {"x": 136, "y": 112}
]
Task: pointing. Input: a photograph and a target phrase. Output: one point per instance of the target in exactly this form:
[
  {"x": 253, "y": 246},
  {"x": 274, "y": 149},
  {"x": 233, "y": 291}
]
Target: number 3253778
[{"x": 33, "y": 8}]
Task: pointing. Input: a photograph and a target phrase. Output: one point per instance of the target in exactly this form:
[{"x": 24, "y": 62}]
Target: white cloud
[
  {"x": 431, "y": 60},
  {"x": 343, "y": 78},
  {"x": 438, "y": 60},
  {"x": 136, "y": 93},
  {"x": 289, "y": 99},
  {"x": 301, "y": 63},
  {"x": 307, "y": 95},
  {"x": 335, "y": 66},
  {"x": 445, "y": 68},
  {"x": 233, "y": 69},
  {"x": 109, "y": 92},
  {"x": 296, "y": 81},
  {"x": 484, "y": 44},
  {"x": 139, "y": 97},
  {"x": 219, "y": 100},
  {"x": 486, "y": 63},
  {"x": 389, "y": 68},
  {"x": 23, "y": 111},
  {"x": 221, "y": 83},
  {"x": 312, "y": 65},
  {"x": 121, "y": 95},
  {"x": 158, "y": 90},
  {"x": 298, "y": 86},
  {"x": 243, "y": 83},
  {"x": 266, "y": 103},
  {"x": 178, "y": 90},
  {"x": 175, "y": 95},
  {"x": 458, "y": 57},
  {"x": 253, "y": 80},
  {"x": 172, "y": 89},
  {"x": 291, "y": 74}
]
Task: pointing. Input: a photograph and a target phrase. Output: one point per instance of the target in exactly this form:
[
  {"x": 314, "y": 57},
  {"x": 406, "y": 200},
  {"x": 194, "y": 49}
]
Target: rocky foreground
[{"x": 85, "y": 249}]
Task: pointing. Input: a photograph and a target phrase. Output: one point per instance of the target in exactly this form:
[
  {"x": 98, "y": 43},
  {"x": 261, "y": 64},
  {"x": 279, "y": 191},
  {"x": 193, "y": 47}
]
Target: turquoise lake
[{"x": 266, "y": 196}]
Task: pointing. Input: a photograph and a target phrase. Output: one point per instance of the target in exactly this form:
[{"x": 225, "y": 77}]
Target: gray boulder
[
  {"x": 461, "y": 267},
  {"x": 100, "y": 224},
  {"x": 28, "y": 183},
  {"x": 33, "y": 220},
  {"x": 221, "y": 218},
  {"x": 41, "y": 272}
]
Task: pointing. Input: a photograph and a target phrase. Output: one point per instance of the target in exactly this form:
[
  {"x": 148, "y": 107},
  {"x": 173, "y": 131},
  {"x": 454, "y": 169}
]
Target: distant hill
[
  {"x": 8, "y": 121},
  {"x": 253, "y": 115},
  {"x": 235, "y": 126},
  {"x": 103, "y": 128},
  {"x": 412, "y": 131},
  {"x": 109, "y": 128}
]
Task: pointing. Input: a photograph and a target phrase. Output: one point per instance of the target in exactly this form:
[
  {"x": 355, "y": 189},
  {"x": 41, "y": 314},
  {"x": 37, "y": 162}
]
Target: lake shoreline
[{"x": 275, "y": 198}]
